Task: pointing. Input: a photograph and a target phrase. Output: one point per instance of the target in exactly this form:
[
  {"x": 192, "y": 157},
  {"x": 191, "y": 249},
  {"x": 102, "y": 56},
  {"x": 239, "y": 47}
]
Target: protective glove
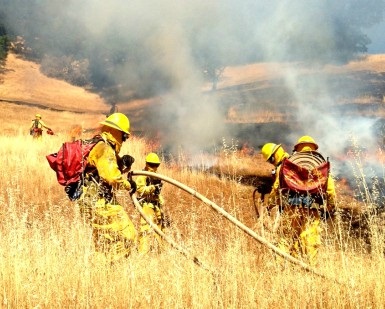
[
  {"x": 127, "y": 162},
  {"x": 264, "y": 188},
  {"x": 156, "y": 181},
  {"x": 158, "y": 188}
]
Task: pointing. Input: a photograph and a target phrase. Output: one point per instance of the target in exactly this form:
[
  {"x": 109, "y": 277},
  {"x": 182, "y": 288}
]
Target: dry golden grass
[
  {"x": 16, "y": 119},
  {"x": 374, "y": 63},
  {"x": 47, "y": 257},
  {"x": 260, "y": 116},
  {"x": 238, "y": 75}
]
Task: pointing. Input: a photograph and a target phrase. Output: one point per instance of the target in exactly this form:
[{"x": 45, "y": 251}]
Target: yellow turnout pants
[
  {"x": 148, "y": 239},
  {"x": 113, "y": 232},
  {"x": 300, "y": 233}
]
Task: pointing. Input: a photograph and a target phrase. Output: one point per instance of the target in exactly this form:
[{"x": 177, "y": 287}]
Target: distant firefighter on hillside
[
  {"x": 37, "y": 126},
  {"x": 113, "y": 109}
]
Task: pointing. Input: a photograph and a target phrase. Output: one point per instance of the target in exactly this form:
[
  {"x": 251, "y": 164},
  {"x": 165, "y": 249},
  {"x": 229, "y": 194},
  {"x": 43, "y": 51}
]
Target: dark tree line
[{"x": 3, "y": 41}]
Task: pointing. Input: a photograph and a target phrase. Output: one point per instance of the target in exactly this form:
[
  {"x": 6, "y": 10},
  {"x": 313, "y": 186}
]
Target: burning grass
[{"x": 47, "y": 257}]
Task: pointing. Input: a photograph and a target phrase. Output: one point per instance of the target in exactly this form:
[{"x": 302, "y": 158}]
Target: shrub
[
  {"x": 67, "y": 68},
  {"x": 3, "y": 48}
]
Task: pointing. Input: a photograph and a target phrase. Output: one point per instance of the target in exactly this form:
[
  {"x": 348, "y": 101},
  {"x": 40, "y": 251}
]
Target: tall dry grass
[{"x": 47, "y": 258}]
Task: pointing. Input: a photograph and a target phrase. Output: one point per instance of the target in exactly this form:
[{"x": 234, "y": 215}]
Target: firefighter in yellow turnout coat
[
  {"x": 151, "y": 200},
  {"x": 37, "y": 126},
  {"x": 300, "y": 226},
  {"x": 113, "y": 232}
]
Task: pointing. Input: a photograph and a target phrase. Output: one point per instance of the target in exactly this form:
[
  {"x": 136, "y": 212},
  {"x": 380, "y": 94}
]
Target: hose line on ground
[
  {"x": 239, "y": 224},
  {"x": 164, "y": 236}
]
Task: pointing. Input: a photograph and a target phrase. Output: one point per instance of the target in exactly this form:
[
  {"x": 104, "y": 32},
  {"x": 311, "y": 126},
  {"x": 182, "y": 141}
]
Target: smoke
[
  {"x": 161, "y": 49},
  {"x": 375, "y": 34}
]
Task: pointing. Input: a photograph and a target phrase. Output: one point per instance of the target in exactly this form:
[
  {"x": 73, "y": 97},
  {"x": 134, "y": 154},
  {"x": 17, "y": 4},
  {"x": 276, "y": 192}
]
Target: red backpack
[{"x": 70, "y": 161}]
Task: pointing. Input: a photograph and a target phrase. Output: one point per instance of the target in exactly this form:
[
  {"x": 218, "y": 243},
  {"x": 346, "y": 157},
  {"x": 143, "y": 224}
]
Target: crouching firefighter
[
  {"x": 152, "y": 202},
  {"x": 113, "y": 232}
]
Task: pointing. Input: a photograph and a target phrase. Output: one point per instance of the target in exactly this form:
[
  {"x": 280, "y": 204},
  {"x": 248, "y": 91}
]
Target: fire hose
[
  {"x": 221, "y": 211},
  {"x": 164, "y": 236}
]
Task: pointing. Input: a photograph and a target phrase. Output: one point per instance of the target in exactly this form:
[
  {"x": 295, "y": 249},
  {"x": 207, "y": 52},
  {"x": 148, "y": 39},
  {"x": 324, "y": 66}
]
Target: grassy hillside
[{"x": 239, "y": 88}]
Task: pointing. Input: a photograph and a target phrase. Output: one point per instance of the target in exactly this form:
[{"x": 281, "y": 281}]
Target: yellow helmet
[
  {"x": 38, "y": 116},
  {"x": 306, "y": 139},
  {"x": 269, "y": 149},
  {"x": 118, "y": 121},
  {"x": 152, "y": 158}
]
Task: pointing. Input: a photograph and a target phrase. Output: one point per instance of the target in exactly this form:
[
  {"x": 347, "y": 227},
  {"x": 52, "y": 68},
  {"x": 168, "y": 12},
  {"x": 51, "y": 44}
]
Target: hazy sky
[{"x": 377, "y": 35}]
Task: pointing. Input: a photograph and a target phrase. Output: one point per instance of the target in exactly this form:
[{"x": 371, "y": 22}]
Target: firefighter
[
  {"x": 274, "y": 154},
  {"x": 37, "y": 126},
  {"x": 150, "y": 198},
  {"x": 113, "y": 109},
  {"x": 113, "y": 232},
  {"x": 300, "y": 225},
  {"x": 305, "y": 144}
]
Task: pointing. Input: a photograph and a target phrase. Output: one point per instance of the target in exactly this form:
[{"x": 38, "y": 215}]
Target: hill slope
[
  {"x": 23, "y": 82},
  {"x": 24, "y": 90}
]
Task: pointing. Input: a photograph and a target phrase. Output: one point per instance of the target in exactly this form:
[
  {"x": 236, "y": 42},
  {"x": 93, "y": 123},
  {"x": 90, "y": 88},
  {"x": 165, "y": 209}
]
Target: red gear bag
[{"x": 70, "y": 161}]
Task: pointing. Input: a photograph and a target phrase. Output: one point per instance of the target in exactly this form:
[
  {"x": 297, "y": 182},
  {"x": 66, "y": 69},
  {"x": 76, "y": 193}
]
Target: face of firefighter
[
  {"x": 117, "y": 134},
  {"x": 274, "y": 159},
  {"x": 152, "y": 167},
  {"x": 277, "y": 157}
]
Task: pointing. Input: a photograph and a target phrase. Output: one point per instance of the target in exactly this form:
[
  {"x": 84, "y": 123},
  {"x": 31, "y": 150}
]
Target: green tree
[
  {"x": 3, "y": 47},
  {"x": 3, "y": 42}
]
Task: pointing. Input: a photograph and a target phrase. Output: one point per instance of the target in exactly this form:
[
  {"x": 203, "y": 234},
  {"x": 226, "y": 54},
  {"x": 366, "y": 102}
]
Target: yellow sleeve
[
  {"x": 104, "y": 158},
  {"x": 274, "y": 193},
  {"x": 331, "y": 192},
  {"x": 142, "y": 188},
  {"x": 43, "y": 124}
]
